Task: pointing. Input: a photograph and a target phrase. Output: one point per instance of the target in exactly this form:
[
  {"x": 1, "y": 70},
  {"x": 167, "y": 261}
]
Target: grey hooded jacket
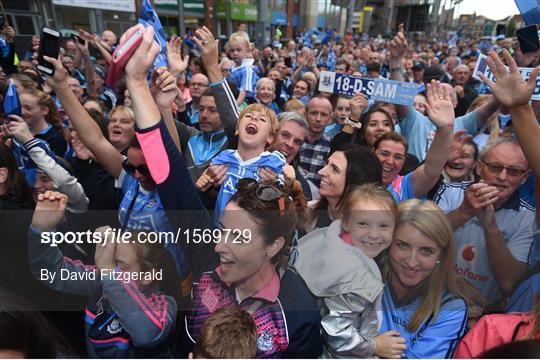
[{"x": 349, "y": 287}]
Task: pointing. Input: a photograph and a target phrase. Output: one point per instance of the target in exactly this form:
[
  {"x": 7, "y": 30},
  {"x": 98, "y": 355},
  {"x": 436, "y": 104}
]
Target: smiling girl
[{"x": 338, "y": 267}]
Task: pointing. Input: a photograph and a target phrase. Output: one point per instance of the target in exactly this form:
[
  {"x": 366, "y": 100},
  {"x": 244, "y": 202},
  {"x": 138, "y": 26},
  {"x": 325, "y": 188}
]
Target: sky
[{"x": 493, "y": 9}]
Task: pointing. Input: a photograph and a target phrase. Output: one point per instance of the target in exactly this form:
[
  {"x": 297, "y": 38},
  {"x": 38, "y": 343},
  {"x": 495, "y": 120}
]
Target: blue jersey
[
  {"x": 436, "y": 337},
  {"x": 244, "y": 77},
  {"x": 239, "y": 169},
  {"x": 147, "y": 214},
  {"x": 401, "y": 188}
]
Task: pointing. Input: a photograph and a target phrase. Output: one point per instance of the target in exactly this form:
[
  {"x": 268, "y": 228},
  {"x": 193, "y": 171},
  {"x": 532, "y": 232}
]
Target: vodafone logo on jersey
[{"x": 468, "y": 252}]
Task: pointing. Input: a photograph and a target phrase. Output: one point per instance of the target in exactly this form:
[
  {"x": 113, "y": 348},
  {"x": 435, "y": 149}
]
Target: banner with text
[{"x": 390, "y": 91}]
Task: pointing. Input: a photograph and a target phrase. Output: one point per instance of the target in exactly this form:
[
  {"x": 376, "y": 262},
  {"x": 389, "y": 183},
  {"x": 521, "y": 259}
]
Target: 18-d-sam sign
[{"x": 390, "y": 91}]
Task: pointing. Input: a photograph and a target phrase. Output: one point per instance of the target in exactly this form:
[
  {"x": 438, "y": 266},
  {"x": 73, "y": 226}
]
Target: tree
[{"x": 511, "y": 28}]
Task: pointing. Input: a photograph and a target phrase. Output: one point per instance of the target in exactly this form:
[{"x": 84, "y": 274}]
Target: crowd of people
[{"x": 308, "y": 224}]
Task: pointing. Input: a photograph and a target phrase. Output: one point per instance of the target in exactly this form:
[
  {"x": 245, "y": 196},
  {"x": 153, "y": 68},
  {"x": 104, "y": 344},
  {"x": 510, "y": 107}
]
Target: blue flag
[
  {"x": 529, "y": 10},
  {"x": 12, "y": 105},
  {"x": 149, "y": 17}
]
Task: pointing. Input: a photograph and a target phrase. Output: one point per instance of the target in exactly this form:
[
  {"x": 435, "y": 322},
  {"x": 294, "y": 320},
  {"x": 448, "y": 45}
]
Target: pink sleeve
[{"x": 155, "y": 154}]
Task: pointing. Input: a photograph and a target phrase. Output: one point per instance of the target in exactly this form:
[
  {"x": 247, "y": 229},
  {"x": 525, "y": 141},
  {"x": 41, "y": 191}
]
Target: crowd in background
[{"x": 363, "y": 228}]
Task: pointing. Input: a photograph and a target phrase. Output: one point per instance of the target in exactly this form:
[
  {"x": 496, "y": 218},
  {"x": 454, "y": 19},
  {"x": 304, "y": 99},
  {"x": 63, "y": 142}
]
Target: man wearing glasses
[{"x": 492, "y": 225}]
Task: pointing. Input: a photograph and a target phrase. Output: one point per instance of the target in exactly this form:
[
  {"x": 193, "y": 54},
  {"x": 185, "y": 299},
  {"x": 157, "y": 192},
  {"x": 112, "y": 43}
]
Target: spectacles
[
  {"x": 263, "y": 192},
  {"x": 511, "y": 171},
  {"x": 131, "y": 169}
]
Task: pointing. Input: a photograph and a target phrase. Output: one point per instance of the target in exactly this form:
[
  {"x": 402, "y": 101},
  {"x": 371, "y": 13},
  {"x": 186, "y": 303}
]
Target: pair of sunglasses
[
  {"x": 131, "y": 169},
  {"x": 263, "y": 192}
]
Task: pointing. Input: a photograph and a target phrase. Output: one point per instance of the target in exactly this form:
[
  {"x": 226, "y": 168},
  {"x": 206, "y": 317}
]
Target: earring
[{"x": 438, "y": 262}]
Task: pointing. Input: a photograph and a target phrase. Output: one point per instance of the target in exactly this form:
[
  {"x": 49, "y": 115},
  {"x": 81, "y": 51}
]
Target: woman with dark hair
[
  {"x": 24, "y": 331},
  {"x": 372, "y": 125},
  {"x": 348, "y": 165},
  {"x": 14, "y": 190}
]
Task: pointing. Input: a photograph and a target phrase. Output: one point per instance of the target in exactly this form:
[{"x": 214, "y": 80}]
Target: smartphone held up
[
  {"x": 121, "y": 56},
  {"x": 49, "y": 45}
]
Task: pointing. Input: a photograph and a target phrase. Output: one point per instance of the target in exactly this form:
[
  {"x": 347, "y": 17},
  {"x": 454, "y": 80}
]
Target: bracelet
[
  {"x": 354, "y": 124},
  {"x": 399, "y": 68}
]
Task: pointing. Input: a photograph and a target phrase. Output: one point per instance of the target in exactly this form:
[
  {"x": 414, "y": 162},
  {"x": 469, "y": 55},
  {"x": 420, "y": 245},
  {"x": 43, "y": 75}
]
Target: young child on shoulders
[
  {"x": 242, "y": 73},
  {"x": 256, "y": 129}
]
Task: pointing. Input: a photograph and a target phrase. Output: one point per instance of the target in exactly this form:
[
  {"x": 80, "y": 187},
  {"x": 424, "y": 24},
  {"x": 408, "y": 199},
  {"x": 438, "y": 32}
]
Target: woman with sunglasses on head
[{"x": 246, "y": 266}]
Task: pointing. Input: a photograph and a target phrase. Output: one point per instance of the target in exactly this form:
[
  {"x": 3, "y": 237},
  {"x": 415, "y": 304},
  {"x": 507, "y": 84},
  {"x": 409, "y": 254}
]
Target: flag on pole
[
  {"x": 12, "y": 105},
  {"x": 149, "y": 17},
  {"x": 529, "y": 10}
]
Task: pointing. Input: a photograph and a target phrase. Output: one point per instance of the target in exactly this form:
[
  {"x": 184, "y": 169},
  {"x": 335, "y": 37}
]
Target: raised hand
[
  {"x": 83, "y": 48},
  {"x": 359, "y": 103},
  {"x": 177, "y": 65},
  {"x": 163, "y": 88},
  {"x": 19, "y": 129},
  {"x": 60, "y": 73},
  {"x": 510, "y": 88},
  {"x": 398, "y": 45},
  {"x": 105, "y": 252},
  {"x": 81, "y": 151},
  {"x": 9, "y": 34},
  {"x": 143, "y": 58},
  {"x": 207, "y": 45},
  {"x": 50, "y": 209},
  {"x": 439, "y": 106}
]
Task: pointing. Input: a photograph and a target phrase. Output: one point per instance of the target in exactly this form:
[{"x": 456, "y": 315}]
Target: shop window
[
  {"x": 25, "y": 25},
  {"x": 17, "y": 5}
]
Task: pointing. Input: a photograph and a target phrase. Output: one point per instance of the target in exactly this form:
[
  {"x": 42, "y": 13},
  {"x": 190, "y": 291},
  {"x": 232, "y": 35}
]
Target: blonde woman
[
  {"x": 265, "y": 93},
  {"x": 420, "y": 301}
]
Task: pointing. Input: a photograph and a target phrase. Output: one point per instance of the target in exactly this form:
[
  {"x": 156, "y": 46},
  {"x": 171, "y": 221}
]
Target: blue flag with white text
[
  {"x": 12, "y": 105},
  {"x": 149, "y": 17}
]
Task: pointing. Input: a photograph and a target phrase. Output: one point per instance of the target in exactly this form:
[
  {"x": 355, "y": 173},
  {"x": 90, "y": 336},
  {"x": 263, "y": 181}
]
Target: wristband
[
  {"x": 399, "y": 68},
  {"x": 354, "y": 124}
]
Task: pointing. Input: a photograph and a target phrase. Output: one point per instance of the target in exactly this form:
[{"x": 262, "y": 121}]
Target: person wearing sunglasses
[
  {"x": 141, "y": 207},
  {"x": 251, "y": 272},
  {"x": 492, "y": 224}
]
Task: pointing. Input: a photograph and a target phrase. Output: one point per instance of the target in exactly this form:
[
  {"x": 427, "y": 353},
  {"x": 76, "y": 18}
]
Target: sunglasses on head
[
  {"x": 131, "y": 169},
  {"x": 263, "y": 192}
]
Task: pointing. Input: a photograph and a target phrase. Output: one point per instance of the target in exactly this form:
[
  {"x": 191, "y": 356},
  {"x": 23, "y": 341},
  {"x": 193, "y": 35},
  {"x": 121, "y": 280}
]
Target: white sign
[
  {"x": 390, "y": 91},
  {"x": 482, "y": 68},
  {"x": 115, "y": 5}
]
